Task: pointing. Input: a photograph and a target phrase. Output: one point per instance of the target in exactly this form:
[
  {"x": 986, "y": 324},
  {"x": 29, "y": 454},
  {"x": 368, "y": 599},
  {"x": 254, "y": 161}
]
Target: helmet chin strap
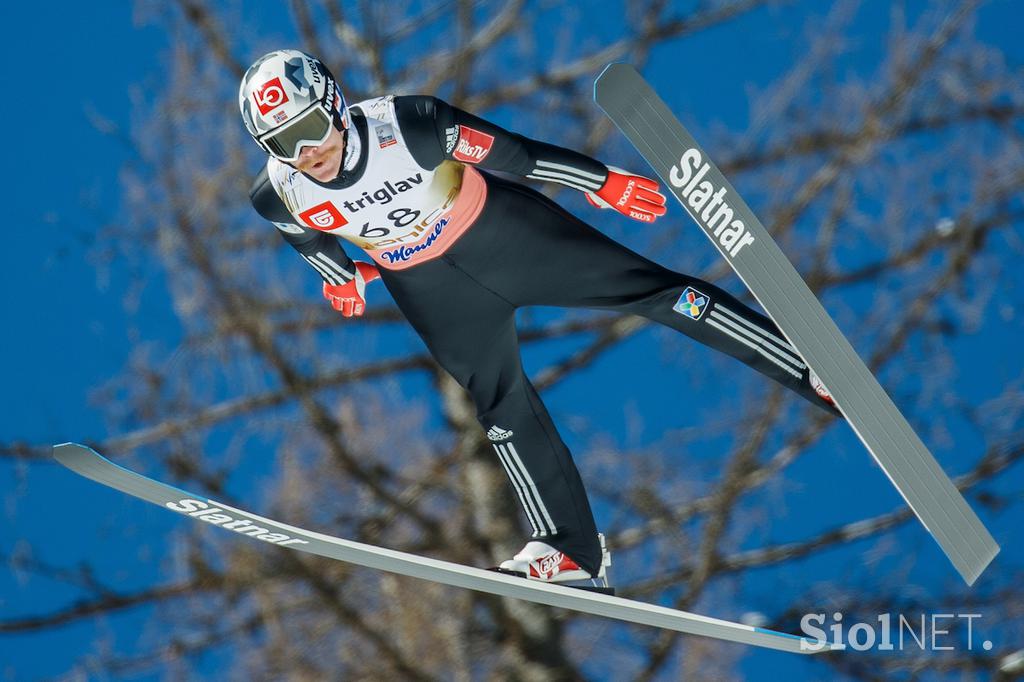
[
  {"x": 341, "y": 122},
  {"x": 344, "y": 148}
]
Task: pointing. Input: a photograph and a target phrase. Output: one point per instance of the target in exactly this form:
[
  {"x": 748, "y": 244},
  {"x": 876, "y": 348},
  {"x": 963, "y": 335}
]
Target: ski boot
[{"x": 540, "y": 561}]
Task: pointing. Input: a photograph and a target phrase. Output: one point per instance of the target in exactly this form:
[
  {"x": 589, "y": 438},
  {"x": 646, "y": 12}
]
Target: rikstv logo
[
  {"x": 473, "y": 145},
  {"x": 270, "y": 96}
]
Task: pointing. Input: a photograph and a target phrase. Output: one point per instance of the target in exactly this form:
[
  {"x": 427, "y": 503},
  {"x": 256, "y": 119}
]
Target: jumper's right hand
[
  {"x": 634, "y": 196},
  {"x": 350, "y": 298}
]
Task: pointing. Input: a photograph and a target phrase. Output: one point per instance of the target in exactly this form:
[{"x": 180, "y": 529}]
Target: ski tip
[
  {"x": 611, "y": 71},
  {"x": 67, "y": 453},
  {"x": 614, "y": 68},
  {"x": 70, "y": 447}
]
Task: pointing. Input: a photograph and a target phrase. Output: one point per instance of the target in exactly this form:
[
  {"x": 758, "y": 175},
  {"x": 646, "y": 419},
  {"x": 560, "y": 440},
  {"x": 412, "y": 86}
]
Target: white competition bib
[{"x": 399, "y": 212}]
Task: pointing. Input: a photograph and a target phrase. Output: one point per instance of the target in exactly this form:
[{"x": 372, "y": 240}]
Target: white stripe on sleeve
[
  {"x": 327, "y": 275},
  {"x": 571, "y": 170},
  {"x": 337, "y": 269}
]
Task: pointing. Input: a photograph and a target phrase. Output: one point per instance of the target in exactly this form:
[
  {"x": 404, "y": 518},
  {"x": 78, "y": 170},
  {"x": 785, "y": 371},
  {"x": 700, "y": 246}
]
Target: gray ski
[
  {"x": 744, "y": 242},
  {"x": 87, "y": 462}
]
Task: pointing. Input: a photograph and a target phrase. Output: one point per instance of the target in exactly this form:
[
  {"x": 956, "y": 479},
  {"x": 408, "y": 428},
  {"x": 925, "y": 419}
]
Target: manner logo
[
  {"x": 473, "y": 145},
  {"x": 270, "y": 96},
  {"x": 323, "y": 217}
]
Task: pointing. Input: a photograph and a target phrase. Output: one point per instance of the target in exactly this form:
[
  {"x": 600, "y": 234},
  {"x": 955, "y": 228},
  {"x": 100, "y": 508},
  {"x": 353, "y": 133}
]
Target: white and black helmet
[{"x": 289, "y": 100}]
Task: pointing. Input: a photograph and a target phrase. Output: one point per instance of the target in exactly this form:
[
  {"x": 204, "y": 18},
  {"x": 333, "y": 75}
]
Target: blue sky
[
  {"x": 71, "y": 329},
  {"x": 67, "y": 331}
]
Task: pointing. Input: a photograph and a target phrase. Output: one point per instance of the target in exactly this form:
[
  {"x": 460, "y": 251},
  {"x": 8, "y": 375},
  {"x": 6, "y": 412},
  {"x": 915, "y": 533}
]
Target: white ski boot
[{"x": 540, "y": 561}]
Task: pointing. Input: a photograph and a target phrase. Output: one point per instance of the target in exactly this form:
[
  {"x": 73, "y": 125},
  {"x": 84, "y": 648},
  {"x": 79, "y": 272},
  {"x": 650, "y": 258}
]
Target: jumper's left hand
[
  {"x": 349, "y": 298},
  {"x": 631, "y": 195}
]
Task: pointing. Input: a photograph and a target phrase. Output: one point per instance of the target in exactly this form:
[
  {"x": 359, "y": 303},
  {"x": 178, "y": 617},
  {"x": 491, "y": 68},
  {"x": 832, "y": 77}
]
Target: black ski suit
[{"x": 519, "y": 248}]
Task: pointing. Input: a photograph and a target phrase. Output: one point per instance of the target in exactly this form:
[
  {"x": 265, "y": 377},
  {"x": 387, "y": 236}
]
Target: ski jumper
[{"x": 461, "y": 249}]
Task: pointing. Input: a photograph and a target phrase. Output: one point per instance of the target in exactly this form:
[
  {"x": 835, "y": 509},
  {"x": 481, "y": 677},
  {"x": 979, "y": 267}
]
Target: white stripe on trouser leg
[
  {"x": 527, "y": 506},
  {"x": 523, "y": 481},
  {"x": 752, "y": 340},
  {"x": 750, "y": 344},
  {"x": 784, "y": 348},
  {"x": 326, "y": 274},
  {"x": 759, "y": 340},
  {"x": 754, "y": 333},
  {"x": 514, "y": 456},
  {"x": 530, "y": 513}
]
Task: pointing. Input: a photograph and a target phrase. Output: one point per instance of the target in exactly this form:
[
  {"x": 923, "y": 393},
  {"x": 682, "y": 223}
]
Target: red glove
[
  {"x": 349, "y": 298},
  {"x": 634, "y": 196}
]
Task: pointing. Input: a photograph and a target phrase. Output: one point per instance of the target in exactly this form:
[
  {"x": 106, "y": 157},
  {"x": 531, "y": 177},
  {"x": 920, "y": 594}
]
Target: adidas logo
[
  {"x": 498, "y": 434},
  {"x": 451, "y": 136}
]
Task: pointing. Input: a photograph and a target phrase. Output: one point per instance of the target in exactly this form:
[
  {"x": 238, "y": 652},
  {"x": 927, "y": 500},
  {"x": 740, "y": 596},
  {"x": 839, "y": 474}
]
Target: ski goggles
[{"x": 310, "y": 128}]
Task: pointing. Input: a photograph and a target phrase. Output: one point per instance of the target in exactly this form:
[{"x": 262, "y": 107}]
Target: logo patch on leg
[{"x": 692, "y": 303}]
